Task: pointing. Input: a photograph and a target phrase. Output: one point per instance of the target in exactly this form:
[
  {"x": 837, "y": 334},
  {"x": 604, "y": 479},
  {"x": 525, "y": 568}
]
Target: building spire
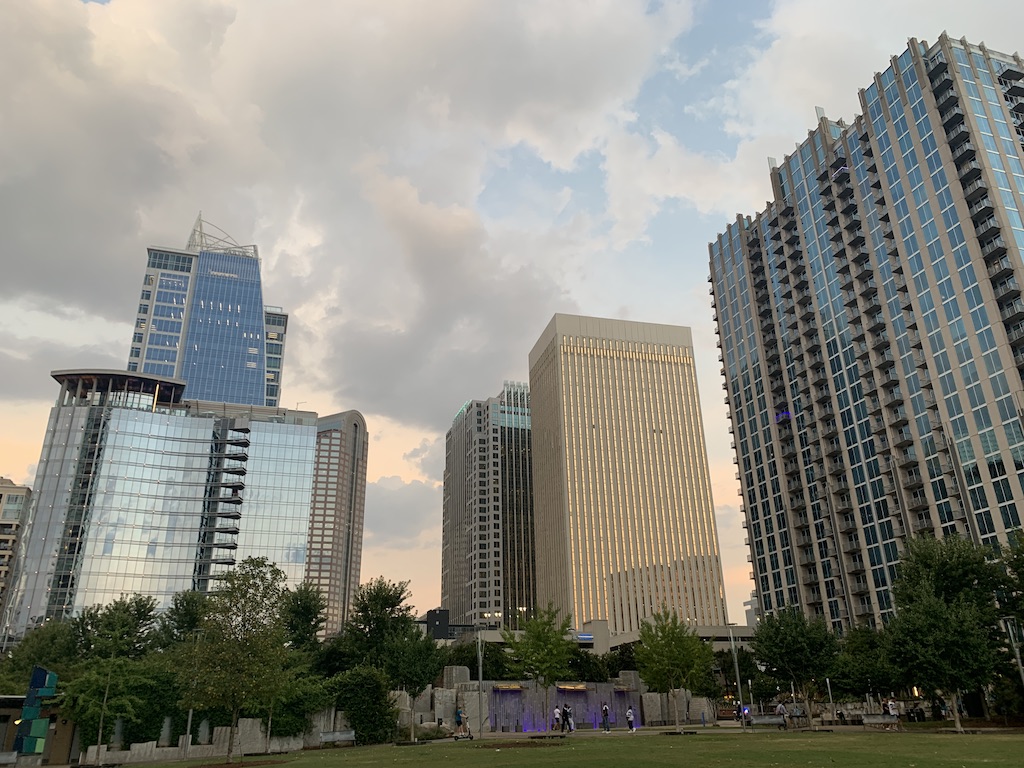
[{"x": 209, "y": 237}]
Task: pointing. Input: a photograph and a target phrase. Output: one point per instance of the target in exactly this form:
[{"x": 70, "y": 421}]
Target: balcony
[
  {"x": 1000, "y": 269},
  {"x": 982, "y": 208},
  {"x": 952, "y": 117},
  {"x": 1013, "y": 311},
  {"x": 969, "y": 172},
  {"x": 975, "y": 190},
  {"x": 1007, "y": 289},
  {"x": 987, "y": 228},
  {"x": 957, "y": 135},
  {"x": 993, "y": 248}
]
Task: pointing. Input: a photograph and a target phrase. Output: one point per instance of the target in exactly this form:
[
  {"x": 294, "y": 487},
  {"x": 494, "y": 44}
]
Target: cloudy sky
[{"x": 427, "y": 183}]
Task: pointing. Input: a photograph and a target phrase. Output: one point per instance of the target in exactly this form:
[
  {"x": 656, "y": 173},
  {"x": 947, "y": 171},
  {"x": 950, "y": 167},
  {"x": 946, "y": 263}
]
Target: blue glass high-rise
[{"x": 201, "y": 318}]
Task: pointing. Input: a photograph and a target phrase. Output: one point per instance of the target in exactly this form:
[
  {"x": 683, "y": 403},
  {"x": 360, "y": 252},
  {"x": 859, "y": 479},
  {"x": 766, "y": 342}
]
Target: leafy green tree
[
  {"x": 496, "y": 660},
  {"x": 414, "y": 662},
  {"x": 51, "y": 646},
  {"x": 670, "y": 656},
  {"x": 863, "y": 664},
  {"x": 304, "y": 611},
  {"x": 748, "y": 671},
  {"x": 1011, "y": 598},
  {"x": 181, "y": 621},
  {"x": 380, "y": 613},
  {"x": 945, "y": 635},
  {"x": 106, "y": 690},
  {"x": 542, "y": 651},
  {"x": 124, "y": 629},
  {"x": 587, "y": 667},
  {"x": 794, "y": 648},
  {"x": 364, "y": 695},
  {"x": 621, "y": 658},
  {"x": 239, "y": 659}
]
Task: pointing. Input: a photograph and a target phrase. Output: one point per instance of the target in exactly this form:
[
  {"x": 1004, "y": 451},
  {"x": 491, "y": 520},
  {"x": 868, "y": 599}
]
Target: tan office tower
[
  {"x": 622, "y": 495},
  {"x": 336, "y": 513},
  {"x": 14, "y": 501}
]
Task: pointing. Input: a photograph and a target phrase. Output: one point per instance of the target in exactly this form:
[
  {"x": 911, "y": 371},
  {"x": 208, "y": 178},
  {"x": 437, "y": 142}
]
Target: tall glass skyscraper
[
  {"x": 625, "y": 523},
  {"x": 872, "y": 331},
  {"x": 488, "y": 573},
  {"x": 201, "y": 318},
  {"x": 141, "y": 491}
]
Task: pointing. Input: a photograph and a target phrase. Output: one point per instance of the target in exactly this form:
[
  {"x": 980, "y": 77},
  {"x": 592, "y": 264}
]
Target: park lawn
[{"x": 707, "y": 750}]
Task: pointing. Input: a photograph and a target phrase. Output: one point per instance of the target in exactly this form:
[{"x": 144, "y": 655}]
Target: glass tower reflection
[{"x": 140, "y": 491}]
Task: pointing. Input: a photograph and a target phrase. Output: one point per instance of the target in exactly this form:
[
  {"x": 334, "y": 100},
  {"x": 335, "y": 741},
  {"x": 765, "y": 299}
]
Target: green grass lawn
[{"x": 705, "y": 750}]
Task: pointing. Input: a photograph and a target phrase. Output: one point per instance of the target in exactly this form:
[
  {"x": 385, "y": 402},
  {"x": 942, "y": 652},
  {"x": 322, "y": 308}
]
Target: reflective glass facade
[
  {"x": 871, "y": 323},
  {"x": 141, "y": 492},
  {"x": 622, "y": 495},
  {"x": 201, "y": 318},
  {"x": 488, "y": 569}
]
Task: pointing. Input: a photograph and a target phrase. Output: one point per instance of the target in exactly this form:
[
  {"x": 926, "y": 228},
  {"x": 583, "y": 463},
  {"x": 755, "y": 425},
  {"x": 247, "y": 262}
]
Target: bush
[
  {"x": 364, "y": 695},
  {"x": 432, "y": 732}
]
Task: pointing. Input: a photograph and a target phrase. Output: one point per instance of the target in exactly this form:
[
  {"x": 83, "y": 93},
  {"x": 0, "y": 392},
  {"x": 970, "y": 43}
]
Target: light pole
[
  {"x": 1011, "y": 630},
  {"x": 480, "y": 680},
  {"x": 739, "y": 684}
]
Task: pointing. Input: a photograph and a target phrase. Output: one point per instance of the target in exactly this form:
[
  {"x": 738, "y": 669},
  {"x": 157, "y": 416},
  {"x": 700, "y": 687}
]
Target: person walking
[
  {"x": 605, "y": 724},
  {"x": 558, "y": 719},
  {"x": 780, "y": 710},
  {"x": 572, "y": 719},
  {"x": 565, "y": 717},
  {"x": 629, "y": 719}
]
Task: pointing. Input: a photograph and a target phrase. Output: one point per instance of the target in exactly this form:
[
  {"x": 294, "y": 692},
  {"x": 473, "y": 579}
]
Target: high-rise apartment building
[
  {"x": 14, "y": 503},
  {"x": 487, "y": 562},
  {"x": 139, "y": 490},
  {"x": 336, "y": 513},
  {"x": 201, "y": 319},
  {"x": 872, "y": 331},
  {"x": 622, "y": 496}
]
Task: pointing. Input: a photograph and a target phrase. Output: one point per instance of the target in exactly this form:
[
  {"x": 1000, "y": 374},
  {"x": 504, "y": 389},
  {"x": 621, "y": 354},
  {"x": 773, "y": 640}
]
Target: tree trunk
[
  {"x": 675, "y": 705},
  {"x": 412, "y": 718},
  {"x": 103, "y": 711},
  {"x": 956, "y": 713},
  {"x": 547, "y": 705},
  {"x": 270, "y": 723},
  {"x": 231, "y": 734}
]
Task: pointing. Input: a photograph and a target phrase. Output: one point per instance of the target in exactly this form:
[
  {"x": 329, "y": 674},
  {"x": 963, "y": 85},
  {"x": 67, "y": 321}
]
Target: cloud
[
  {"x": 399, "y": 513},
  {"x": 27, "y": 362}
]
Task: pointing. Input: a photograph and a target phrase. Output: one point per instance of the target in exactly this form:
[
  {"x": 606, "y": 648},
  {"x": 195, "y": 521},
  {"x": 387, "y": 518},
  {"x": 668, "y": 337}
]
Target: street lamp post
[
  {"x": 739, "y": 684},
  {"x": 480, "y": 681}
]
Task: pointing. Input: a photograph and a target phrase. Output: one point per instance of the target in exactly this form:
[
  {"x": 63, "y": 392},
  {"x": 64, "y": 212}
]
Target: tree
[
  {"x": 542, "y": 651},
  {"x": 304, "y": 611},
  {"x": 123, "y": 629},
  {"x": 51, "y": 646},
  {"x": 380, "y": 613},
  {"x": 670, "y": 656},
  {"x": 793, "y": 648},
  {"x": 945, "y": 636},
  {"x": 105, "y": 691},
  {"x": 496, "y": 660},
  {"x": 364, "y": 695},
  {"x": 239, "y": 659},
  {"x": 587, "y": 667},
  {"x": 412, "y": 663},
  {"x": 621, "y": 658},
  {"x": 182, "y": 619},
  {"x": 863, "y": 664}
]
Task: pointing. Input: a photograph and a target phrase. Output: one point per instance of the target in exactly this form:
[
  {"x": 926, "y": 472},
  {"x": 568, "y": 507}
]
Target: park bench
[
  {"x": 332, "y": 737},
  {"x": 879, "y": 720},
  {"x": 767, "y": 720},
  {"x": 8, "y": 758}
]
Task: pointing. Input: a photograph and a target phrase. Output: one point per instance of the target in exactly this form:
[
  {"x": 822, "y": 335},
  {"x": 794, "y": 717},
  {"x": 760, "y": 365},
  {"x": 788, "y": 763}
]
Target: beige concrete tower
[{"x": 622, "y": 496}]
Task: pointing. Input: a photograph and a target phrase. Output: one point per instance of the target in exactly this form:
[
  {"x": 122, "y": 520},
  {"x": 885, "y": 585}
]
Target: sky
[{"x": 427, "y": 184}]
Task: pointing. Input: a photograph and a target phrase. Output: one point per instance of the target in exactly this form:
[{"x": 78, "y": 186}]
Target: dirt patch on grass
[{"x": 243, "y": 764}]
